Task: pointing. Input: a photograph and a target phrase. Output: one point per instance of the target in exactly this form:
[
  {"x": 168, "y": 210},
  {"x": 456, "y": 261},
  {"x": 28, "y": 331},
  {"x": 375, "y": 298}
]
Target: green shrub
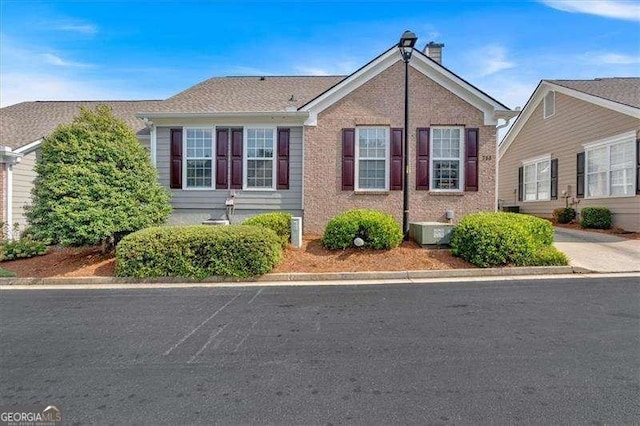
[
  {"x": 198, "y": 251},
  {"x": 21, "y": 249},
  {"x": 379, "y": 230},
  {"x": 497, "y": 239},
  {"x": 596, "y": 217},
  {"x": 278, "y": 222},
  {"x": 564, "y": 214},
  {"x": 94, "y": 183},
  {"x": 549, "y": 256},
  {"x": 6, "y": 274}
]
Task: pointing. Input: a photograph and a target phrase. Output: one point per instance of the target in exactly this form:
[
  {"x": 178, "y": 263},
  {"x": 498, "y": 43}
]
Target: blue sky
[{"x": 56, "y": 50}]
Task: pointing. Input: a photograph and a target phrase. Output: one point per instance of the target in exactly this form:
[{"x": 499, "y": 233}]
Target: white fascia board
[
  {"x": 349, "y": 84},
  {"x": 622, "y": 137},
  {"x": 240, "y": 114},
  {"x": 26, "y": 149},
  {"x": 538, "y": 95}
]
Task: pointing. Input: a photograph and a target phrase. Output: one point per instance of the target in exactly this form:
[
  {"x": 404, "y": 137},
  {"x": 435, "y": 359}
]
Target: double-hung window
[
  {"x": 447, "y": 150},
  {"x": 537, "y": 179},
  {"x": 260, "y": 161},
  {"x": 372, "y": 159},
  {"x": 199, "y": 158},
  {"x": 610, "y": 170}
]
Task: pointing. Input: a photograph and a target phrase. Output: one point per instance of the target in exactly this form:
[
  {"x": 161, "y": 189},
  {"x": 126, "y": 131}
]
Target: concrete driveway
[{"x": 598, "y": 252}]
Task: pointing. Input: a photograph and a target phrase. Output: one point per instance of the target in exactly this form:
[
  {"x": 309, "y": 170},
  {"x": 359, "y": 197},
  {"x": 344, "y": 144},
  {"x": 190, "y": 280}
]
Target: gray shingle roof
[
  {"x": 624, "y": 90},
  {"x": 244, "y": 94},
  {"x": 26, "y": 122}
]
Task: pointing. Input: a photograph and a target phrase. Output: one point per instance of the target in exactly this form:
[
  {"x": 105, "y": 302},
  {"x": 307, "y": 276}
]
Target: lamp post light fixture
[{"x": 406, "y": 44}]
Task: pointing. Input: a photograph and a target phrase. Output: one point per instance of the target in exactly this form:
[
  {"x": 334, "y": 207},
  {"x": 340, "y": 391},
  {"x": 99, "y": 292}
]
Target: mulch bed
[{"x": 312, "y": 257}]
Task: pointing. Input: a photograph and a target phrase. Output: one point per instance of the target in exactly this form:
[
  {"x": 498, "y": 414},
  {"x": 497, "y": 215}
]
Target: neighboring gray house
[{"x": 575, "y": 140}]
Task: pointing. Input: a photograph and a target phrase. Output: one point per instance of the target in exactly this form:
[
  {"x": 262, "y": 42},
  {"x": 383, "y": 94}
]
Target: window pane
[
  {"x": 372, "y": 174},
  {"x": 622, "y": 155},
  {"x": 596, "y": 184},
  {"x": 260, "y": 173},
  {"x": 597, "y": 160},
  {"x": 530, "y": 191},
  {"x": 260, "y": 143},
  {"x": 544, "y": 188},
  {"x": 622, "y": 182},
  {"x": 372, "y": 143},
  {"x": 544, "y": 170},
  {"x": 446, "y": 174},
  {"x": 530, "y": 173},
  {"x": 199, "y": 143},
  {"x": 199, "y": 173}
]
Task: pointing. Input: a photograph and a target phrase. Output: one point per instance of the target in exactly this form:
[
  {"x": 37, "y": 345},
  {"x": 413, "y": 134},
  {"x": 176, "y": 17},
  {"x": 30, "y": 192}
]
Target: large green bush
[
  {"x": 596, "y": 217},
  {"x": 379, "y": 230},
  {"x": 564, "y": 214},
  {"x": 21, "y": 249},
  {"x": 279, "y": 222},
  {"x": 198, "y": 251},
  {"x": 497, "y": 239},
  {"x": 94, "y": 183}
]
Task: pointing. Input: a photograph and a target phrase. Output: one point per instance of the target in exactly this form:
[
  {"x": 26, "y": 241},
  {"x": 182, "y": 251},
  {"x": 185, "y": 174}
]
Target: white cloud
[
  {"x": 312, "y": 70},
  {"x": 612, "y": 59},
  {"x": 617, "y": 9},
  {"x": 52, "y": 59},
  {"x": 489, "y": 60},
  {"x": 87, "y": 29}
]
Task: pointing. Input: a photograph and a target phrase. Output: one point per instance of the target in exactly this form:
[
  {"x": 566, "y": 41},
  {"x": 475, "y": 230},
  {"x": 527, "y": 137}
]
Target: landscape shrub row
[
  {"x": 198, "y": 251},
  {"x": 377, "y": 229},
  {"x": 498, "y": 239},
  {"x": 278, "y": 222}
]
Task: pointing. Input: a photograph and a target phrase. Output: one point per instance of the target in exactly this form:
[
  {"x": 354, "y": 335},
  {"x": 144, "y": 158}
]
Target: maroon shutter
[
  {"x": 520, "y": 183},
  {"x": 422, "y": 162},
  {"x": 348, "y": 158},
  {"x": 580, "y": 175},
  {"x": 554, "y": 179},
  {"x": 222, "y": 158},
  {"x": 396, "y": 175},
  {"x": 471, "y": 160},
  {"x": 283, "y": 159},
  {"x": 637, "y": 166},
  {"x": 236, "y": 158},
  {"x": 175, "y": 166}
]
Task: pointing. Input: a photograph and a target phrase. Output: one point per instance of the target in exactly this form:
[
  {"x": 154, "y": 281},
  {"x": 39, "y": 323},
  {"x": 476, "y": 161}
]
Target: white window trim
[
  {"x": 463, "y": 145},
  {"x": 245, "y": 158},
  {"x": 608, "y": 143},
  {"x": 387, "y": 162},
  {"x": 184, "y": 159},
  {"x": 534, "y": 162},
  {"x": 544, "y": 104}
]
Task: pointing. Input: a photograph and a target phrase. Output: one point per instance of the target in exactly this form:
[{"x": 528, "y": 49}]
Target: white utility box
[
  {"x": 211, "y": 221},
  {"x": 431, "y": 233},
  {"x": 296, "y": 232}
]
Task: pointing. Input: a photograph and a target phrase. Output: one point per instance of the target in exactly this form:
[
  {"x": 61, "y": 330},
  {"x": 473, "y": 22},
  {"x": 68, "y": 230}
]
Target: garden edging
[{"x": 293, "y": 277}]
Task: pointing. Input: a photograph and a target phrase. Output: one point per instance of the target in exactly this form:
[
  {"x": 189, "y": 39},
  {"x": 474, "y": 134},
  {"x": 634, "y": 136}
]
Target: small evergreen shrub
[
  {"x": 379, "y": 230},
  {"x": 497, "y": 239},
  {"x": 564, "y": 215},
  {"x": 21, "y": 249},
  {"x": 198, "y": 251},
  {"x": 549, "y": 256},
  {"x": 278, "y": 222},
  {"x": 596, "y": 217}
]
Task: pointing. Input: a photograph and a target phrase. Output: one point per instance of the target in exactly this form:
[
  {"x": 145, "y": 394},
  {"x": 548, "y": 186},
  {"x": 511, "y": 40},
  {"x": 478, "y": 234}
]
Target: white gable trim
[
  {"x": 538, "y": 96},
  {"x": 492, "y": 109},
  {"x": 26, "y": 149}
]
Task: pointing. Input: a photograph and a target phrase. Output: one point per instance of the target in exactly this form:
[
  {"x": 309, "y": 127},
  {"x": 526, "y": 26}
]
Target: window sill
[
  {"x": 362, "y": 192},
  {"x": 607, "y": 197},
  {"x": 259, "y": 189},
  {"x": 447, "y": 193}
]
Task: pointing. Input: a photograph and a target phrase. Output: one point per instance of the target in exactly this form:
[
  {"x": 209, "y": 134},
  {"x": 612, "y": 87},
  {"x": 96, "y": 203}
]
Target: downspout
[
  {"x": 498, "y": 127},
  {"x": 152, "y": 139},
  {"x": 9, "y": 200}
]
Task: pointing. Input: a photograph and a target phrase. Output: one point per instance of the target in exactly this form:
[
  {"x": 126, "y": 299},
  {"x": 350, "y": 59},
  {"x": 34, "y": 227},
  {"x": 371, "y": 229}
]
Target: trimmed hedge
[
  {"x": 497, "y": 239},
  {"x": 198, "y": 251},
  {"x": 596, "y": 217},
  {"x": 278, "y": 222},
  {"x": 564, "y": 214},
  {"x": 379, "y": 230}
]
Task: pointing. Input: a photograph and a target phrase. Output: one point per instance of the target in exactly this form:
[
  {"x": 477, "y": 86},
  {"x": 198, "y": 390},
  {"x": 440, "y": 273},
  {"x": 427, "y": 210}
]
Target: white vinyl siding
[
  {"x": 447, "y": 150},
  {"x": 610, "y": 169},
  {"x": 198, "y": 163},
  {"x": 260, "y": 158},
  {"x": 537, "y": 180},
  {"x": 372, "y": 159}
]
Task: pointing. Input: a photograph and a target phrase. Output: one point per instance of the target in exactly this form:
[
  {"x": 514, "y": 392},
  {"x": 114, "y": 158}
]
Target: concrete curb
[{"x": 306, "y": 277}]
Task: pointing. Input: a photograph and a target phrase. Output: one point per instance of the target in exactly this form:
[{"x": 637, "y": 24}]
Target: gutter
[{"x": 238, "y": 114}]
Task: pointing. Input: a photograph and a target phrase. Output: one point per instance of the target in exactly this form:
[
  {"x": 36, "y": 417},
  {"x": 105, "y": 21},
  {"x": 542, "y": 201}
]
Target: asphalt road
[{"x": 536, "y": 352}]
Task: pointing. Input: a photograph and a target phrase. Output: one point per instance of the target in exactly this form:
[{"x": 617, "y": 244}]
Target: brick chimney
[{"x": 434, "y": 51}]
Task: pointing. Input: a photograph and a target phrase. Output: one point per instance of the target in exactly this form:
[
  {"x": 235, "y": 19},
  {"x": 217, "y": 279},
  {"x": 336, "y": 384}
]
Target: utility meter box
[{"x": 431, "y": 233}]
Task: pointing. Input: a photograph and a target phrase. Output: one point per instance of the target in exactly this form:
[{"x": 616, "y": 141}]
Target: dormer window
[{"x": 549, "y": 104}]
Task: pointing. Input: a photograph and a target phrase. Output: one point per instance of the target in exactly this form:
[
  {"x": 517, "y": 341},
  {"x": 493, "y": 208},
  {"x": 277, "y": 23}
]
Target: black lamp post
[{"x": 406, "y": 43}]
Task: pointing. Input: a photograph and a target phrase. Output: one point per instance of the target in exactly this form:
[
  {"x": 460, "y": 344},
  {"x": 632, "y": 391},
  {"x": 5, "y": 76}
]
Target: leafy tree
[{"x": 95, "y": 183}]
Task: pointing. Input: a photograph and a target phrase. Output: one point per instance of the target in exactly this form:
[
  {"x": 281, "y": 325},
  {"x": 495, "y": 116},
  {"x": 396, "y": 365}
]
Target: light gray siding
[
  {"x": 196, "y": 205},
  {"x": 23, "y": 175},
  {"x": 562, "y": 136}
]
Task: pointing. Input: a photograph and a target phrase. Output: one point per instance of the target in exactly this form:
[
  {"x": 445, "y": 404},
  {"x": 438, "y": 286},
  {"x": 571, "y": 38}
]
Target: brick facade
[{"x": 380, "y": 101}]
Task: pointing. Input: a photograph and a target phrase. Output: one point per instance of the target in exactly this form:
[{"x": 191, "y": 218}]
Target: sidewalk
[{"x": 598, "y": 252}]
